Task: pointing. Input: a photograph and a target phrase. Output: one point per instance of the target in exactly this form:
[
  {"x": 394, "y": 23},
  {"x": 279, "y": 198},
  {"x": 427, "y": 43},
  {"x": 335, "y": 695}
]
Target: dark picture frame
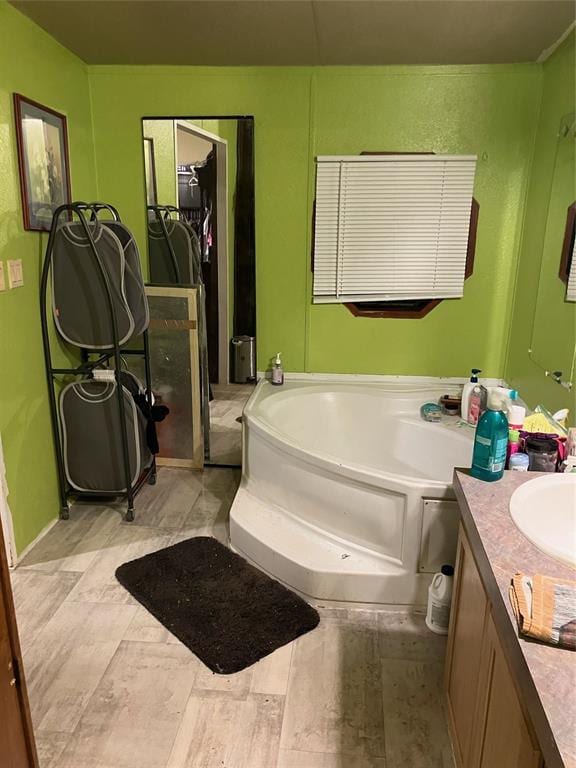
[{"x": 43, "y": 161}]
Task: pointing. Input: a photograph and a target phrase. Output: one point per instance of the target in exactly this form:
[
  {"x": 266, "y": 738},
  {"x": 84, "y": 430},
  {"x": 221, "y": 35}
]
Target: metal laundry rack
[
  {"x": 163, "y": 213},
  {"x": 87, "y": 365}
]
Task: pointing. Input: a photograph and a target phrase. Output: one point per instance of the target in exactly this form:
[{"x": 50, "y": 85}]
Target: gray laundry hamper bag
[
  {"x": 161, "y": 267},
  {"x": 79, "y": 299},
  {"x": 133, "y": 280},
  {"x": 92, "y": 439}
]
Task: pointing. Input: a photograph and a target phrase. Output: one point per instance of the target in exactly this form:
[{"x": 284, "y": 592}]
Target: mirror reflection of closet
[
  {"x": 553, "y": 345},
  {"x": 200, "y": 171}
]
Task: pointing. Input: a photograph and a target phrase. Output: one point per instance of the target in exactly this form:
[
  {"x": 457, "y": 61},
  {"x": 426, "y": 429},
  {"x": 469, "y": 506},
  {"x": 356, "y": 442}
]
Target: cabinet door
[
  {"x": 504, "y": 738},
  {"x": 465, "y": 637}
]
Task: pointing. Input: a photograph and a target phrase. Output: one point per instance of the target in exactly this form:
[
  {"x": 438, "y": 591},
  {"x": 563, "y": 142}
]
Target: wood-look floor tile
[
  {"x": 221, "y": 731},
  {"x": 132, "y": 719},
  {"x": 289, "y": 758},
  {"x": 68, "y": 658},
  {"x": 147, "y": 629},
  {"x": 237, "y": 684},
  {"x": 99, "y": 584},
  {"x": 360, "y": 618},
  {"x": 414, "y": 719},
  {"x": 49, "y": 746},
  {"x": 218, "y": 479},
  {"x": 209, "y": 511},
  {"x": 37, "y": 597},
  {"x": 225, "y": 430},
  {"x": 404, "y": 635},
  {"x": 72, "y": 545},
  {"x": 270, "y": 674},
  {"x": 334, "y": 701},
  {"x": 168, "y": 503}
]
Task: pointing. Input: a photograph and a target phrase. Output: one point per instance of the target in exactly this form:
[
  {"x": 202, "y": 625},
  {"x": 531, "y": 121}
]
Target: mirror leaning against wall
[
  {"x": 200, "y": 215},
  {"x": 553, "y": 344}
]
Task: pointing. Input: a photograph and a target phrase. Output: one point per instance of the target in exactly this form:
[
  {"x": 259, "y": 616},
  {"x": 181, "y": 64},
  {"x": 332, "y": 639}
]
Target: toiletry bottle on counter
[
  {"x": 516, "y": 416},
  {"x": 476, "y": 404},
  {"x": 519, "y": 462},
  {"x": 467, "y": 391},
  {"x": 542, "y": 453},
  {"x": 277, "y": 377},
  {"x": 439, "y": 600},
  {"x": 513, "y": 443},
  {"x": 491, "y": 439}
]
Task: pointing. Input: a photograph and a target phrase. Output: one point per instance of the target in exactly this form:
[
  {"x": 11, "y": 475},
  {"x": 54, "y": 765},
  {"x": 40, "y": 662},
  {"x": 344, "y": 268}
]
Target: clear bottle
[
  {"x": 491, "y": 438},
  {"x": 277, "y": 377}
]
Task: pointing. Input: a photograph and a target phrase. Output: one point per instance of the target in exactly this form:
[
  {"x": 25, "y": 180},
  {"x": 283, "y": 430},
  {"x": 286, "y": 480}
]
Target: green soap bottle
[{"x": 491, "y": 438}]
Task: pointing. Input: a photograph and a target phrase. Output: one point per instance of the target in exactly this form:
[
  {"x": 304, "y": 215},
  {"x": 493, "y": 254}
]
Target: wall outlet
[
  {"x": 15, "y": 273},
  {"x": 2, "y": 278}
]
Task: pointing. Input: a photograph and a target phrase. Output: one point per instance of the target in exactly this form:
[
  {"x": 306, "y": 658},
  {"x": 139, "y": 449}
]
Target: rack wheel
[
  {"x": 64, "y": 513},
  {"x": 129, "y": 515},
  {"x": 152, "y": 479}
]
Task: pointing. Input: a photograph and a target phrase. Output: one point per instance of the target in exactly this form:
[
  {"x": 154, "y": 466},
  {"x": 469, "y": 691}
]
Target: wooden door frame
[
  {"x": 222, "y": 225},
  {"x": 6, "y": 587}
]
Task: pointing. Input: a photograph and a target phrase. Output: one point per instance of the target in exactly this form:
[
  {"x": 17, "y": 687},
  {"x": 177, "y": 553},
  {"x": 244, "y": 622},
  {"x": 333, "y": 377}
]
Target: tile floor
[
  {"x": 111, "y": 688},
  {"x": 225, "y": 429}
]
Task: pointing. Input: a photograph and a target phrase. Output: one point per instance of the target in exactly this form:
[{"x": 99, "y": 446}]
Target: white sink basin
[{"x": 544, "y": 510}]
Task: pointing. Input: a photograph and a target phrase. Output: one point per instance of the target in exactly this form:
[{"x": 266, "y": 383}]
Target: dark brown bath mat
[{"x": 227, "y": 612}]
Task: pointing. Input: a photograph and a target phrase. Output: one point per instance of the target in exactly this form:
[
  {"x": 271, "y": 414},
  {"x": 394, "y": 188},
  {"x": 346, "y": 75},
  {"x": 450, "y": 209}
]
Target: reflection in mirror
[
  {"x": 200, "y": 207},
  {"x": 553, "y": 345},
  {"x": 568, "y": 261}
]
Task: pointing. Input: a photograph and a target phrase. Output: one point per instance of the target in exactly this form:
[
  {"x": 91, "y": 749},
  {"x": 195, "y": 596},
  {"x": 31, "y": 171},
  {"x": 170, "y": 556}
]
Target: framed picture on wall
[
  {"x": 42, "y": 139},
  {"x": 150, "y": 172}
]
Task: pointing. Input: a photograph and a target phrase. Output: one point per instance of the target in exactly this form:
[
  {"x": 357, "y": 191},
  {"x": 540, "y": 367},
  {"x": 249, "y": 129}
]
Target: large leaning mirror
[
  {"x": 200, "y": 211},
  {"x": 553, "y": 345}
]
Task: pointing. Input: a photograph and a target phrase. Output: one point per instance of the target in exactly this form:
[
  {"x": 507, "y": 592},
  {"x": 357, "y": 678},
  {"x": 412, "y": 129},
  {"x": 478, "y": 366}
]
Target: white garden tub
[{"x": 346, "y": 492}]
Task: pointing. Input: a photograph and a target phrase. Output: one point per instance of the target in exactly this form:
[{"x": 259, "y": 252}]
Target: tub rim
[{"x": 357, "y": 472}]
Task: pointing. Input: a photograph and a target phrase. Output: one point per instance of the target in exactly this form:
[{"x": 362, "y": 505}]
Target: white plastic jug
[{"x": 439, "y": 600}]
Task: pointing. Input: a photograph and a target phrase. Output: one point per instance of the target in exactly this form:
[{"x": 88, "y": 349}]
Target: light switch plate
[
  {"x": 2, "y": 278},
  {"x": 15, "y": 273}
]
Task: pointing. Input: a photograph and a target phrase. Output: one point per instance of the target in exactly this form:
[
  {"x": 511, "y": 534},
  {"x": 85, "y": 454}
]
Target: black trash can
[{"x": 243, "y": 359}]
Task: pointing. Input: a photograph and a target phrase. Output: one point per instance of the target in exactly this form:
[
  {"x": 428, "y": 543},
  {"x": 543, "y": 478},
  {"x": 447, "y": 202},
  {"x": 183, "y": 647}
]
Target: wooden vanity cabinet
[{"x": 485, "y": 717}]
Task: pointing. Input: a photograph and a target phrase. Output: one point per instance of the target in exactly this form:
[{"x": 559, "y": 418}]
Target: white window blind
[
  {"x": 391, "y": 227},
  {"x": 571, "y": 290}
]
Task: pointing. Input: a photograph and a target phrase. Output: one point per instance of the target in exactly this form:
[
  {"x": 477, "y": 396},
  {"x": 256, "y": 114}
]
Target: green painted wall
[
  {"x": 33, "y": 64},
  {"x": 280, "y": 100},
  {"x": 537, "y": 283},
  {"x": 162, "y": 134},
  {"x": 302, "y": 112},
  {"x": 486, "y": 111}
]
